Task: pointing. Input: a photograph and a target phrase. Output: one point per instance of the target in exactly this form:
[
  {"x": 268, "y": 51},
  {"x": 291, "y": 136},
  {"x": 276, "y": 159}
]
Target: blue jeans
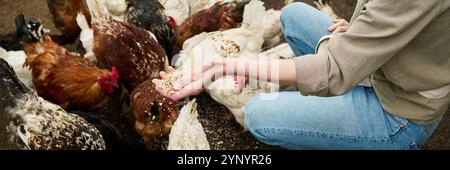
[{"x": 355, "y": 120}]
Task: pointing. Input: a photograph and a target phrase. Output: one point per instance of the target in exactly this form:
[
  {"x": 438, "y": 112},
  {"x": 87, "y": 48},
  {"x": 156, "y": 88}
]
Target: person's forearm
[
  {"x": 278, "y": 71},
  {"x": 287, "y": 72}
]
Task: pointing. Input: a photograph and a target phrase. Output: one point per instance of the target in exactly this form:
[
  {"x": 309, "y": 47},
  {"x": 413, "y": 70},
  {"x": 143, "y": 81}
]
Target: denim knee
[
  {"x": 292, "y": 12},
  {"x": 254, "y": 115}
]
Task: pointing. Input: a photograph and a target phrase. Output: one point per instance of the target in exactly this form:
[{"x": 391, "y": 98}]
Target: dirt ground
[{"x": 222, "y": 130}]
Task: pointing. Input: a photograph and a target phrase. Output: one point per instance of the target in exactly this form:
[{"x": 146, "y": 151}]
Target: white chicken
[
  {"x": 244, "y": 41},
  {"x": 225, "y": 91},
  {"x": 16, "y": 60},
  {"x": 272, "y": 29},
  {"x": 187, "y": 133},
  {"x": 179, "y": 10},
  {"x": 234, "y": 43}
]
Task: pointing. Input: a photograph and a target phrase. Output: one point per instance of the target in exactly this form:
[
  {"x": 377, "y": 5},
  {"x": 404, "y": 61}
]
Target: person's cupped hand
[{"x": 192, "y": 83}]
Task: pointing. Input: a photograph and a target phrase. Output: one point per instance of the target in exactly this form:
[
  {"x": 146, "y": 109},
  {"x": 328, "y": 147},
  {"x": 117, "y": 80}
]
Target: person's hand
[
  {"x": 193, "y": 83},
  {"x": 179, "y": 94},
  {"x": 339, "y": 26}
]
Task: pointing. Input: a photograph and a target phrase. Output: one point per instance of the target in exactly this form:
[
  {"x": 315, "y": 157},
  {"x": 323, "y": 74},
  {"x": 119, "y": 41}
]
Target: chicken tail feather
[
  {"x": 252, "y": 16},
  {"x": 21, "y": 25},
  {"x": 10, "y": 86}
]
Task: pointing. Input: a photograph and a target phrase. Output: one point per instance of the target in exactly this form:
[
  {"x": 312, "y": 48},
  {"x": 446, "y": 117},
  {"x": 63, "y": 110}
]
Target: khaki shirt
[{"x": 402, "y": 46}]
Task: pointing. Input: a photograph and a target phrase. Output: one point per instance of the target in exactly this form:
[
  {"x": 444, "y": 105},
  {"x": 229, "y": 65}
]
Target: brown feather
[
  {"x": 63, "y": 77},
  {"x": 132, "y": 50},
  {"x": 154, "y": 113}
]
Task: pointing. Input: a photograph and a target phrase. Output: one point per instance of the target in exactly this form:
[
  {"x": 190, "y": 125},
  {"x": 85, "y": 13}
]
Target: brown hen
[
  {"x": 154, "y": 113},
  {"x": 66, "y": 78},
  {"x": 132, "y": 50},
  {"x": 221, "y": 16}
]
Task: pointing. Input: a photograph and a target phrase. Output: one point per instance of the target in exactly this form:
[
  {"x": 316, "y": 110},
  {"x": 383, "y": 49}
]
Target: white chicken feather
[
  {"x": 272, "y": 29},
  {"x": 86, "y": 36},
  {"x": 179, "y": 10},
  {"x": 16, "y": 60},
  {"x": 187, "y": 133}
]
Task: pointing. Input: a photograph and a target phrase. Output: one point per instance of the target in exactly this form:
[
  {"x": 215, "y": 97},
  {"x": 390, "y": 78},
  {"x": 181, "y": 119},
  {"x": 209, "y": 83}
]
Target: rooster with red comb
[{"x": 66, "y": 78}]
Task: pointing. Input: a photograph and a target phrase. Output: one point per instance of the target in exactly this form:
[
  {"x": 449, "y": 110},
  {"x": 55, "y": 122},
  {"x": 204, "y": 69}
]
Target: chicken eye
[
  {"x": 22, "y": 129},
  {"x": 154, "y": 111}
]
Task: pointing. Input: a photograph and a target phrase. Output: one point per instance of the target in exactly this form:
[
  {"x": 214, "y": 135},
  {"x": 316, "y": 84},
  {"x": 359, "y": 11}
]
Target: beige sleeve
[{"x": 383, "y": 29}]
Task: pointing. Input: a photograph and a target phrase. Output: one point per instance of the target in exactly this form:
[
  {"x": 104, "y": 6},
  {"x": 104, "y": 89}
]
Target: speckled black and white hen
[
  {"x": 36, "y": 124},
  {"x": 149, "y": 14}
]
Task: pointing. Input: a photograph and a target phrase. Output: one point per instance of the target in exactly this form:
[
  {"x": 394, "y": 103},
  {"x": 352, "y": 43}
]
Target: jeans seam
[
  {"x": 413, "y": 143},
  {"x": 381, "y": 140},
  {"x": 330, "y": 135},
  {"x": 426, "y": 131}
]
